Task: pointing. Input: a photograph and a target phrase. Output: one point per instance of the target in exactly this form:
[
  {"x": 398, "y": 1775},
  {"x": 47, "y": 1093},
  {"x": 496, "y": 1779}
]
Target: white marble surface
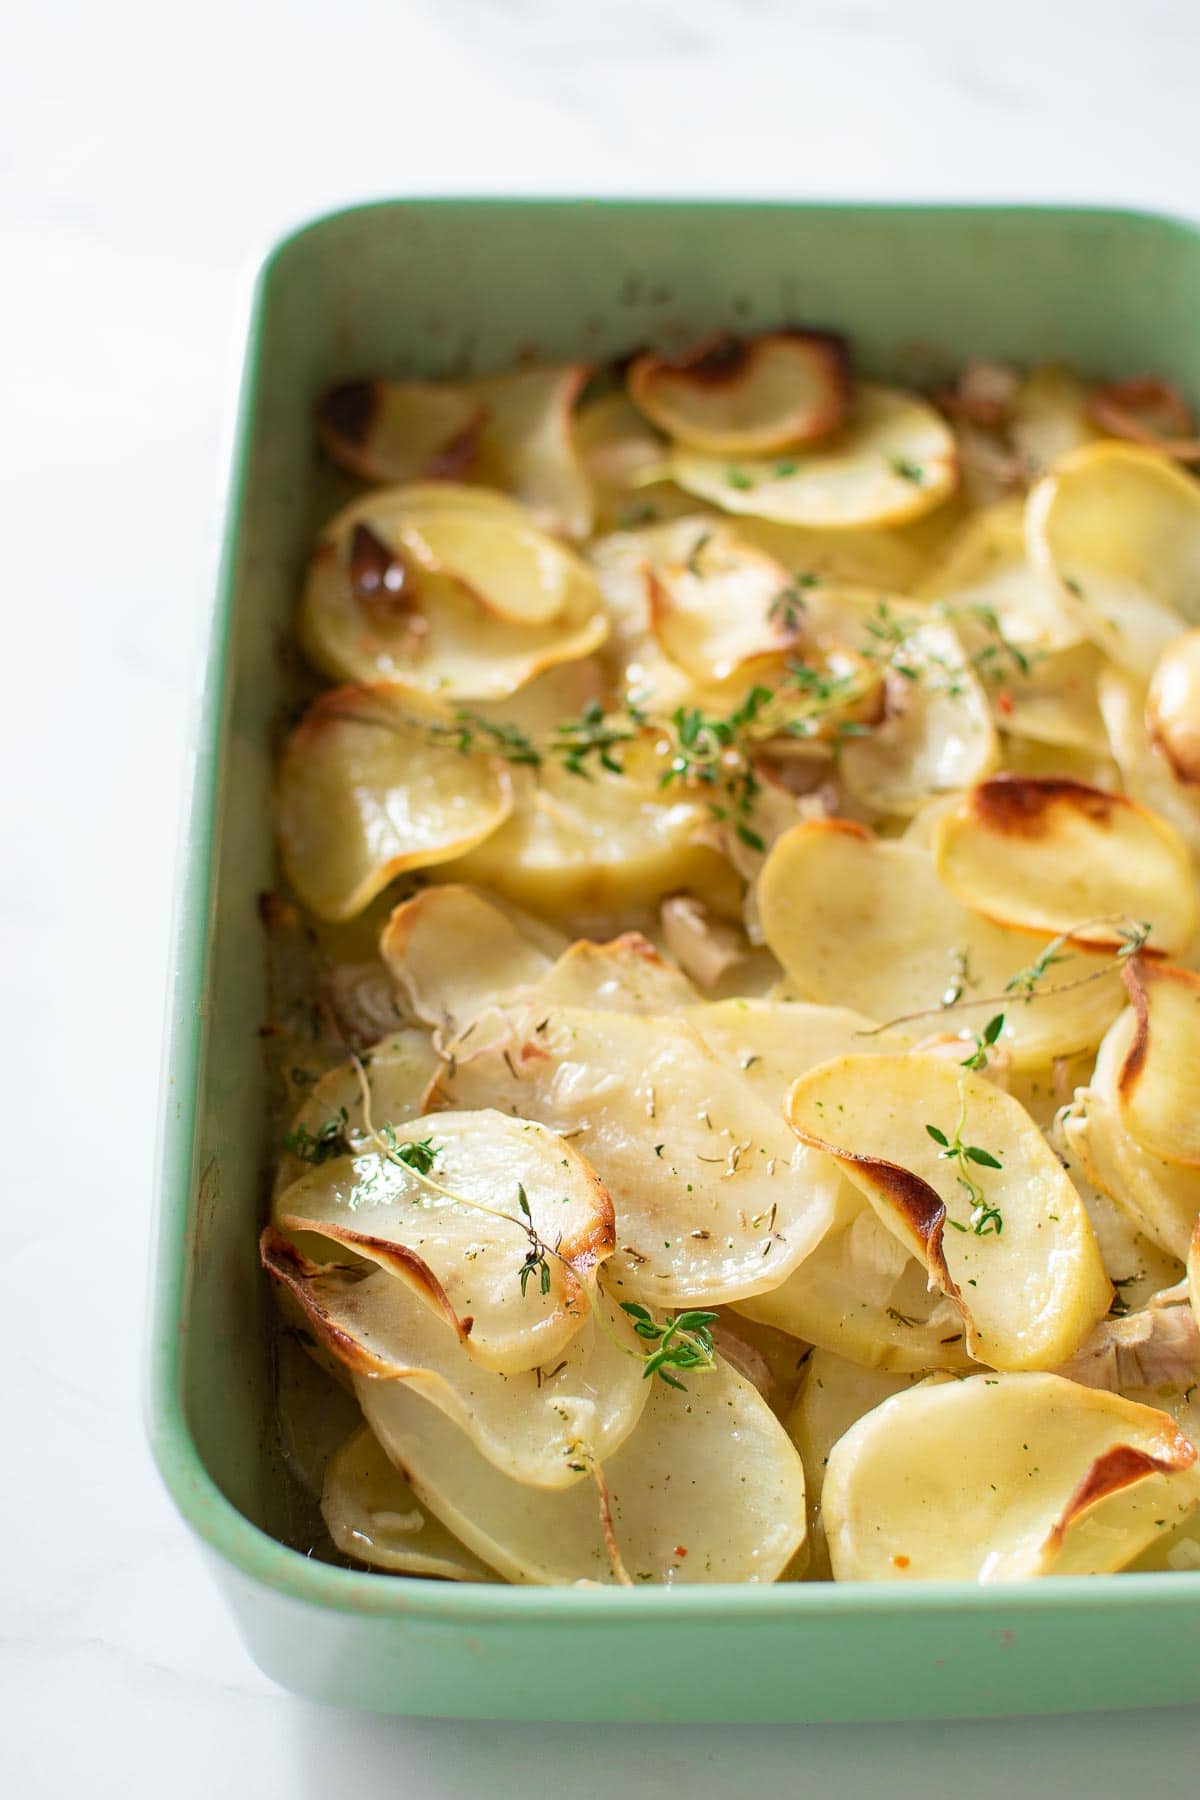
[{"x": 148, "y": 154}]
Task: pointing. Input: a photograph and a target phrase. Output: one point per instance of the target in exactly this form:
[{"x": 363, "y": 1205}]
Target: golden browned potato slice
[
  {"x": 1001, "y": 1478},
  {"x": 959, "y": 1172},
  {"x": 393, "y": 431},
  {"x": 372, "y": 1513},
  {"x": 494, "y": 1223},
  {"x": 893, "y": 461},
  {"x": 1173, "y": 708},
  {"x": 1049, "y": 854},
  {"x": 706, "y": 1488},
  {"x": 450, "y": 951},
  {"x": 747, "y": 398},
  {"x": 368, "y": 789},
  {"x": 1159, "y": 1080},
  {"x": 1147, "y": 772}
]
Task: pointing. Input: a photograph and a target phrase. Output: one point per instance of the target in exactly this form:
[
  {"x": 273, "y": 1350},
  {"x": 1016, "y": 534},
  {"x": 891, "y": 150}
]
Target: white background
[{"x": 148, "y": 154}]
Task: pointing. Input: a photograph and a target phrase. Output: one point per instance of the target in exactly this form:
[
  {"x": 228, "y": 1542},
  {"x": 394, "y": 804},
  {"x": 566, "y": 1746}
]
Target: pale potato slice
[
  {"x": 892, "y": 559},
  {"x": 621, "y": 454},
  {"x": 372, "y": 1514},
  {"x": 449, "y": 590},
  {"x": 575, "y": 846},
  {"x": 771, "y": 1042},
  {"x": 1147, "y": 772},
  {"x": 394, "y": 431},
  {"x": 936, "y": 735},
  {"x": 528, "y": 446},
  {"x": 330, "y": 1122},
  {"x": 1193, "y": 1271},
  {"x": 1138, "y": 1268},
  {"x": 893, "y": 461},
  {"x": 1000, "y": 1228},
  {"x": 714, "y": 1200},
  {"x": 718, "y": 607},
  {"x": 1116, "y": 529},
  {"x": 1162, "y": 1198},
  {"x": 501, "y": 1234},
  {"x": 986, "y": 581},
  {"x": 737, "y": 397},
  {"x": 1002, "y": 1478},
  {"x": 1056, "y": 702},
  {"x": 1173, "y": 708},
  {"x": 1160, "y": 1077},
  {"x": 862, "y": 1295},
  {"x": 626, "y": 975},
  {"x": 450, "y": 951},
  {"x": 367, "y": 790},
  {"x": 532, "y": 1425},
  {"x": 832, "y": 1396},
  {"x": 863, "y": 922},
  {"x": 707, "y": 1488},
  {"x": 1050, "y": 854},
  {"x": 1049, "y": 418}
]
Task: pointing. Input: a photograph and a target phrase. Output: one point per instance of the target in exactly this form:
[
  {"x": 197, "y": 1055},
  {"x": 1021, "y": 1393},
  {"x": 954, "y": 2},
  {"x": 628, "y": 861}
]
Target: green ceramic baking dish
[{"x": 433, "y": 287}]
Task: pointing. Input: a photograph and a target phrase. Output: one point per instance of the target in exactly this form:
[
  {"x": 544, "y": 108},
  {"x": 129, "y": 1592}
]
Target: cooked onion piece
[
  {"x": 452, "y": 1224},
  {"x": 739, "y": 398},
  {"x": 450, "y": 590},
  {"x": 367, "y": 791},
  {"x": 963, "y": 1177},
  {"x": 1049, "y": 418},
  {"x": 531, "y": 1424},
  {"x": 372, "y": 1513},
  {"x": 1154, "y": 1348},
  {"x": 714, "y": 1197},
  {"x": 862, "y": 1295},
  {"x": 893, "y": 461},
  {"x": 937, "y": 731},
  {"x": 833, "y": 1395},
  {"x": 1054, "y": 855},
  {"x": 449, "y": 950},
  {"x": 1138, "y": 1268},
  {"x": 394, "y": 431},
  {"x": 528, "y": 447},
  {"x": 707, "y": 1488},
  {"x": 574, "y": 846},
  {"x": 1117, "y": 529},
  {"x": 863, "y": 922},
  {"x": 1160, "y": 1077},
  {"x": 1001, "y": 1478}
]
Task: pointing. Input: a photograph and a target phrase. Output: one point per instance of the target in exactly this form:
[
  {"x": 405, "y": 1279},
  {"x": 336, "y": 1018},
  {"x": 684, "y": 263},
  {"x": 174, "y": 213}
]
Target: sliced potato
[
  {"x": 1158, "y": 1081},
  {"x": 713, "y": 1199},
  {"x": 528, "y": 446},
  {"x": 1147, "y": 772},
  {"x": 747, "y": 398},
  {"x": 450, "y": 950},
  {"x": 399, "y": 1069},
  {"x": 449, "y": 590},
  {"x": 1117, "y": 530},
  {"x": 1138, "y": 1268},
  {"x": 394, "y": 431},
  {"x": 626, "y": 975},
  {"x": 373, "y": 1514},
  {"x": 771, "y": 1042},
  {"x": 707, "y": 1488},
  {"x": 367, "y": 791},
  {"x": 1050, "y": 854},
  {"x": 893, "y": 461},
  {"x": 1000, "y": 1478},
  {"x": 1049, "y": 418},
  {"x": 532, "y": 1425},
  {"x": 719, "y": 607},
  {"x": 621, "y": 455},
  {"x": 999, "y": 1226},
  {"x": 459, "y": 1233},
  {"x": 863, "y": 922},
  {"x": 1173, "y": 708},
  {"x": 986, "y": 580}
]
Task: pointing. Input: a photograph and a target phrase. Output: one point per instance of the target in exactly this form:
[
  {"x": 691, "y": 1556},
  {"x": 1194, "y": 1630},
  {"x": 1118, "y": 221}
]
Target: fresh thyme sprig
[
  {"x": 684, "y": 1342},
  {"x": 714, "y": 750},
  {"x": 789, "y": 605},
  {"x": 535, "y": 1257},
  {"x": 989, "y": 660},
  {"x": 985, "y": 1220},
  {"x": 508, "y": 741},
  {"x": 315, "y": 1147},
  {"x": 592, "y": 734},
  {"x": 982, "y": 1042}
]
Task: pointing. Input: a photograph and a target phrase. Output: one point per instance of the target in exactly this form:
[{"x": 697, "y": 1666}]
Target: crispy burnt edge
[
  {"x": 1139, "y": 974},
  {"x": 288, "y": 1265},
  {"x": 1014, "y": 805},
  {"x": 346, "y": 414},
  {"x": 722, "y": 359},
  {"x": 1114, "y": 1470}
]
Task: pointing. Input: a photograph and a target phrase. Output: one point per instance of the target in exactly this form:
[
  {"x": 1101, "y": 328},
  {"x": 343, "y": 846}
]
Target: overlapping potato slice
[
  {"x": 863, "y": 922},
  {"x": 961, "y": 1175},
  {"x": 330, "y": 1122},
  {"x": 447, "y": 589},
  {"x": 832, "y": 1396},
  {"x": 894, "y": 460},
  {"x": 368, "y": 790},
  {"x": 862, "y": 1295},
  {"x": 1159, "y": 1079},
  {"x": 530, "y": 1424},
  {"x": 394, "y": 431},
  {"x": 1173, "y": 708},
  {"x": 936, "y": 734},
  {"x": 715, "y": 1198},
  {"x": 1146, "y": 771},
  {"x": 449, "y": 950},
  {"x": 735, "y": 397},
  {"x": 1193, "y": 1271},
  {"x": 372, "y": 1513},
  {"x": 1051, "y": 854},
  {"x": 1001, "y": 1478},
  {"x": 1117, "y": 530},
  {"x": 771, "y": 1042},
  {"x": 492, "y": 1196},
  {"x": 986, "y": 579},
  {"x": 625, "y": 975},
  {"x": 528, "y": 447},
  {"x": 706, "y": 1488},
  {"x": 718, "y": 607},
  {"x": 1138, "y": 1268},
  {"x": 576, "y": 846}
]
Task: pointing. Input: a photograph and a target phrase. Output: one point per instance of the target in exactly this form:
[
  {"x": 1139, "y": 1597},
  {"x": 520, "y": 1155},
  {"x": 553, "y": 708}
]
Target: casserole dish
[{"x": 436, "y": 288}]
